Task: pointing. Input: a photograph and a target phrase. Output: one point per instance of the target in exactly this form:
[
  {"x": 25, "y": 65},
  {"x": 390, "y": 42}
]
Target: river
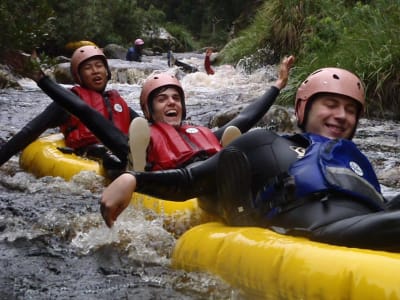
[{"x": 53, "y": 242}]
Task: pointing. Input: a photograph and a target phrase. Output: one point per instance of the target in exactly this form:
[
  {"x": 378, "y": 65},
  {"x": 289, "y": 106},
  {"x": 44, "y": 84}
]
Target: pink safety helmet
[
  {"x": 154, "y": 82},
  {"x": 328, "y": 80},
  {"x": 139, "y": 42},
  {"x": 82, "y": 54}
]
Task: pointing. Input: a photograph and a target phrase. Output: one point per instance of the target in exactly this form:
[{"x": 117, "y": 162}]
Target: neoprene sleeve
[
  {"x": 51, "y": 117},
  {"x": 252, "y": 113}
]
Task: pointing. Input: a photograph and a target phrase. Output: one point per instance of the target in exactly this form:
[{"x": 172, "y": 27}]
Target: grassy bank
[{"x": 358, "y": 36}]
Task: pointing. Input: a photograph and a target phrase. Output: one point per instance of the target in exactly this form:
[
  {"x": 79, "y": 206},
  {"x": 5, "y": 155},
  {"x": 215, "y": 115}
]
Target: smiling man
[
  {"x": 316, "y": 184},
  {"x": 173, "y": 143},
  {"x": 88, "y": 105}
]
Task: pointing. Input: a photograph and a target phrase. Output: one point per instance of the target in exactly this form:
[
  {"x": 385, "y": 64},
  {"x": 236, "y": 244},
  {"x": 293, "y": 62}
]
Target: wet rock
[
  {"x": 62, "y": 74},
  {"x": 115, "y": 51},
  {"x": 161, "y": 40},
  {"x": 7, "y": 79},
  {"x": 278, "y": 118},
  {"x": 390, "y": 177}
]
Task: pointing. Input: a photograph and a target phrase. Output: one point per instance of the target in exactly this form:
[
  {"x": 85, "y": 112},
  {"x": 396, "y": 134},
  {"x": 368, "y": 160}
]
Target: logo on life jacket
[
  {"x": 192, "y": 130},
  {"x": 356, "y": 168},
  {"x": 118, "y": 107}
]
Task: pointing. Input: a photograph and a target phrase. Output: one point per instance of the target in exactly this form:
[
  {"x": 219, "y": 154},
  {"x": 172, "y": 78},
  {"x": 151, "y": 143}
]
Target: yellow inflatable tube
[
  {"x": 72, "y": 46},
  {"x": 267, "y": 265},
  {"x": 43, "y": 158}
]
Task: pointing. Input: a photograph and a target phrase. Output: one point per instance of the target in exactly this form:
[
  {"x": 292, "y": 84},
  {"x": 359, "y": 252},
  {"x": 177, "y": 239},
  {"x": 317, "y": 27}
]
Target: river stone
[
  {"x": 7, "y": 79},
  {"x": 278, "y": 118}
]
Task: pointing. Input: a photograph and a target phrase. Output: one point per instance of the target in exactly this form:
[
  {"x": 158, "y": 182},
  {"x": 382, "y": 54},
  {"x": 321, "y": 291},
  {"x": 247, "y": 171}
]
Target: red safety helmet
[
  {"x": 154, "y": 82},
  {"x": 82, "y": 54},
  {"x": 328, "y": 80},
  {"x": 139, "y": 42}
]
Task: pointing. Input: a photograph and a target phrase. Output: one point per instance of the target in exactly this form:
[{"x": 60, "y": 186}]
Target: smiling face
[
  {"x": 332, "y": 116},
  {"x": 167, "y": 107},
  {"x": 93, "y": 74}
]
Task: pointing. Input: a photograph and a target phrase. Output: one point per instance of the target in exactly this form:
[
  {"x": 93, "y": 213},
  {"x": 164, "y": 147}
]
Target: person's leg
[
  {"x": 340, "y": 220},
  {"x": 379, "y": 230},
  {"x": 234, "y": 188}
]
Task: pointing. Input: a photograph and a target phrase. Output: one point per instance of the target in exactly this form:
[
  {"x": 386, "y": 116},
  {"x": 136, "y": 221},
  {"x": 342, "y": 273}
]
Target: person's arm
[
  {"x": 50, "y": 117},
  {"x": 251, "y": 114},
  {"x": 116, "y": 197}
]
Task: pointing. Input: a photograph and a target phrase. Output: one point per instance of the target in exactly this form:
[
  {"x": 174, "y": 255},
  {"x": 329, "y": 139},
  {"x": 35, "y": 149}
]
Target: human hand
[
  {"x": 116, "y": 197},
  {"x": 25, "y": 65},
  {"x": 284, "y": 68}
]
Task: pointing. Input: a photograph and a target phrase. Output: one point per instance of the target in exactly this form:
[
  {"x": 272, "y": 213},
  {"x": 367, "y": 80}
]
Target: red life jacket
[
  {"x": 172, "y": 148},
  {"x": 116, "y": 110}
]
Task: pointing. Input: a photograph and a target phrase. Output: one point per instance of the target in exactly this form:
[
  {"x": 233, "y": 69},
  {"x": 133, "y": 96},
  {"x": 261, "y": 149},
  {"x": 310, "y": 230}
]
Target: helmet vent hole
[{"x": 335, "y": 76}]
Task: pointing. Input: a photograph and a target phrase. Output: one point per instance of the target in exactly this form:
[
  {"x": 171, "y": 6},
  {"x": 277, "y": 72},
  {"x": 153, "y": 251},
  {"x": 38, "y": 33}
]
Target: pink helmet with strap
[
  {"x": 154, "y": 82},
  {"x": 328, "y": 80},
  {"x": 139, "y": 42},
  {"x": 82, "y": 54}
]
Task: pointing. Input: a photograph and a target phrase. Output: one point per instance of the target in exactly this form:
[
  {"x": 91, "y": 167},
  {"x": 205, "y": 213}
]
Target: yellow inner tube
[
  {"x": 43, "y": 158},
  {"x": 72, "y": 46},
  {"x": 267, "y": 265}
]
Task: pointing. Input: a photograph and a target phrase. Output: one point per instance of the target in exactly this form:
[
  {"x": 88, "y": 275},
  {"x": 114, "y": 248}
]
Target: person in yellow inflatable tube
[
  {"x": 91, "y": 73},
  {"x": 316, "y": 184}
]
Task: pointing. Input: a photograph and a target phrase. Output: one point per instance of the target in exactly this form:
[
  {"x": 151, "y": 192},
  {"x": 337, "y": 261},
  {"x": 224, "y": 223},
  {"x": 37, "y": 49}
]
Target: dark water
[{"x": 53, "y": 242}]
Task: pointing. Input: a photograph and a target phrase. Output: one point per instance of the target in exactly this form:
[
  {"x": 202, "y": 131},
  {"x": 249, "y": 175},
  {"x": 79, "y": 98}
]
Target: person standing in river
[
  {"x": 207, "y": 62},
  {"x": 91, "y": 73},
  {"x": 316, "y": 184}
]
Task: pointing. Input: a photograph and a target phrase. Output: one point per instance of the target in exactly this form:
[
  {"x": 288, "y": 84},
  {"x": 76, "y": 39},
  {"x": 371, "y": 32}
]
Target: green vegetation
[
  {"x": 51, "y": 24},
  {"x": 362, "y": 36}
]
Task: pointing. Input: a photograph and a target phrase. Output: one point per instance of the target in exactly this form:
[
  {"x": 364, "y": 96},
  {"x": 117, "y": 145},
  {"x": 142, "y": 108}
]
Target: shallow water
[{"x": 53, "y": 242}]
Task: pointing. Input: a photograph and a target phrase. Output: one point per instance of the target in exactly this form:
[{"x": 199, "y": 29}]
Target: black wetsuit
[
  {"x": 54, "y": 115},
  {"x": 222, "y": 184}
]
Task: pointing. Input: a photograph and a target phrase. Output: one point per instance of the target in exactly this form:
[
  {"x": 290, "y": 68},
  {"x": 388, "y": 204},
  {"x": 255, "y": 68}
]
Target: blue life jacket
[{"x": 328, "y": 166}]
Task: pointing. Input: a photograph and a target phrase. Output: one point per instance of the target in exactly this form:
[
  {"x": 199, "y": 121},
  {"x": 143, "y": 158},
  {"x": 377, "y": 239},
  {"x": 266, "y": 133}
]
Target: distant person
[
  {"x": 135, "y": 53},
  {"x": 207, "y": 62}
]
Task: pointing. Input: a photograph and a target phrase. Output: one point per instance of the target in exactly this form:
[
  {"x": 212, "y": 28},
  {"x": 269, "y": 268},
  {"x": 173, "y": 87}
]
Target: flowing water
[{"x": 53, "y": 242}]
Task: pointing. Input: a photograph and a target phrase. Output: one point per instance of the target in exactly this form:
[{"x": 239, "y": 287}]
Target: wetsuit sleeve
[
  {"x": 251, "y": 114},
  {"x": 52, "y": 116},
  {"x": 197, "y": 180}
]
